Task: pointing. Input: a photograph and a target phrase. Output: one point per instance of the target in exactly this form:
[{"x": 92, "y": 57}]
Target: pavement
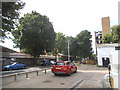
[
  {"x": 96, "y": 78},
  {"x": 106, "y": 83},
  {"x": 88, "y": 76}
]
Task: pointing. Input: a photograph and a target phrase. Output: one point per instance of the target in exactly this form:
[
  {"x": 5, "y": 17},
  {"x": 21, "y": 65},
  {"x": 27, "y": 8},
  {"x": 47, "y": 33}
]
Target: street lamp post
[
  {"x": 57, "y": 56},
  {"x": 68, "y": 51}
]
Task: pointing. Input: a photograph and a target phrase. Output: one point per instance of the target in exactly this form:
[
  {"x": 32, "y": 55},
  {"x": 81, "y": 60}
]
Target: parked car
[
  {"x": 64, "y": 67},
  {"x": 42, "y": 63},
  {"x": 52, "y": 62},
  {"x": 15, "y": 65},
  {"x": 45, "y": 63}
]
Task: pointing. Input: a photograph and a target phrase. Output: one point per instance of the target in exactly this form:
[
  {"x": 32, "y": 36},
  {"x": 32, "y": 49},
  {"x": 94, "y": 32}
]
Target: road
[{"x": 88, "y": 76}]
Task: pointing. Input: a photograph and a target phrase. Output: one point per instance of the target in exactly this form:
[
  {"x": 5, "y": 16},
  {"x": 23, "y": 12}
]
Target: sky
[{"x": 72, "y": 16}]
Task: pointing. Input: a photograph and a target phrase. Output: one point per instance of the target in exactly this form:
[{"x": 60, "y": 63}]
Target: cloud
[{"x": 73, "y": 16}]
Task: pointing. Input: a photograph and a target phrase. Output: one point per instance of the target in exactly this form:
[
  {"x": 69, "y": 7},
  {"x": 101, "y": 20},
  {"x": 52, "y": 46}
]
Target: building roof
[
  {"x": 5, "y": 49},
  {"x": 108, "y": 45}
]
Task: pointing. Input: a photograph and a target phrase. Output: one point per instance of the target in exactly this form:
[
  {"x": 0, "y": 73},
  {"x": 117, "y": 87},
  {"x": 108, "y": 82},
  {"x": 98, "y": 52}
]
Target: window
[
  {"x": 71, "y": 64},
  {"x": 117, "y": 48},
  {"x": 68, "y": 63},
  {"x": 60, "y": 64},
  {"x": 97, "y": 42}
]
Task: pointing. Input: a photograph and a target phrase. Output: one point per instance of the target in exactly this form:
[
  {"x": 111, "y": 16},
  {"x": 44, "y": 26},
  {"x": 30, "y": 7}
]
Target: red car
[{"x": 64, "y": 67}]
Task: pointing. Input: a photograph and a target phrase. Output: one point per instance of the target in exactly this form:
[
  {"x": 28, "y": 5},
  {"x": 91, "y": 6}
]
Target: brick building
[{"x": 105, "y": 30}]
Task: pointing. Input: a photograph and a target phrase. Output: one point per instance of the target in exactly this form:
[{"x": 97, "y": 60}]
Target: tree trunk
[{"x": 36, "y": 60}]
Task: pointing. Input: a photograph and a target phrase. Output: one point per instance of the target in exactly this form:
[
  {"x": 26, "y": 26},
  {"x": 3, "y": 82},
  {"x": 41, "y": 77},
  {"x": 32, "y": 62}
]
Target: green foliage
[
  {"x": 60, "y": 44},
  {"x": 116, "y": 33},
  {"x": 81, "y": 45},
  {"x": 10, "y": 15},
  {"x": 114, "y": 37},
  {"x": 24, "y": 51},
  {"x": 93, "y": 57},
  {"x": 107, "y": 38},
  {"x": 35, "y": 34}
]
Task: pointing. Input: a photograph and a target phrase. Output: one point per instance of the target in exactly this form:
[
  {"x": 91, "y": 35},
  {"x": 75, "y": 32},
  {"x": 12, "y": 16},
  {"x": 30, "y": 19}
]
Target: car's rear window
[{"x": 60, "y": 64}]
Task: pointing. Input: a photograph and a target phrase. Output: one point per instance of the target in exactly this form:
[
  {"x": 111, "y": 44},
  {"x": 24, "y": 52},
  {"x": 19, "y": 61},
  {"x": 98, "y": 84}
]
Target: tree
[
  {"x": 107, "y": 38},
  {"x": 10, "y": 14},
  {"x": 60, "y": 43},
  {"x": 81, "y": 46},
  {"x": 116, "y": 33},
  {"x": 114, "y": 36},
  {"x": 35, "y": 34}
]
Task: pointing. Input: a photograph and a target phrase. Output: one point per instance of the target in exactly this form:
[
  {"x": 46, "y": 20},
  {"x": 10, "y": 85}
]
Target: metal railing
[{"x": 11, "y": 78}]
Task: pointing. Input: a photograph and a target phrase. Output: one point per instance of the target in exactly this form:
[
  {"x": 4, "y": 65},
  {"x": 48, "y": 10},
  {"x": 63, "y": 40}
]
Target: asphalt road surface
[{"x": 88, "y": 76}]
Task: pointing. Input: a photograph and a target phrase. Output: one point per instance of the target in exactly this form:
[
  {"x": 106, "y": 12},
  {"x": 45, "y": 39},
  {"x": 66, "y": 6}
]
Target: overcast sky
[{"x": 72, "y": 16}]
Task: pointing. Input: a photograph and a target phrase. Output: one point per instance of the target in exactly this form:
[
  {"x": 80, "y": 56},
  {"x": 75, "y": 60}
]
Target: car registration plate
[{"x": 58, "y": 68}]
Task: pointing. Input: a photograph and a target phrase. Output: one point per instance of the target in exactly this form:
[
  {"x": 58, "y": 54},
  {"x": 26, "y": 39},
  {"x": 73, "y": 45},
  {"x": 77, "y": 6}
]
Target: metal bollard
[
  {"x": 26, "y": 74},
  {"x": 45, "y": 71},
  {"x": 37, "y": 73},
  {"x": 109, "y": 69},
  {"x": 15, "y": 77}
]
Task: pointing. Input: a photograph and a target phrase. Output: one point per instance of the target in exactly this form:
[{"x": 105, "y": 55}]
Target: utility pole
[
  {"x": 68, "y": 51},
  {"x": 57, "y": 56}
]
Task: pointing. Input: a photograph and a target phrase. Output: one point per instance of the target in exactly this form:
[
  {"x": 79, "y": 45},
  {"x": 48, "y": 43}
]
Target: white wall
[
  {"x": 103, "y": 52},
  {"x": 114, "y": 56},
  {"x": 115, "y": 68}
]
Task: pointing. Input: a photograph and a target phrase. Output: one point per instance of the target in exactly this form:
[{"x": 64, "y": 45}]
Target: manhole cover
[{"x": 47, "y": 81}]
